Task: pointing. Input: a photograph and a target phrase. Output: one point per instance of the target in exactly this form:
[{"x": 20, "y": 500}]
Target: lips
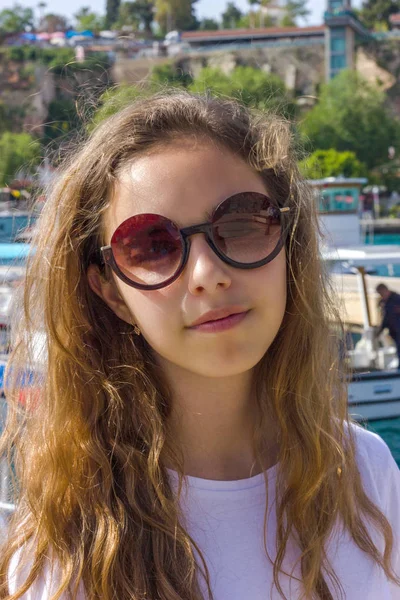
[{"x": 219, "y": 313}]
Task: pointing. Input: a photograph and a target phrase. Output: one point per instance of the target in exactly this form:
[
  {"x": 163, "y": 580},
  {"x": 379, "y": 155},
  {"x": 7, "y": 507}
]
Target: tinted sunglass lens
[
  {"x": 247, "y": 227},
  {"x": 148, "y": 249}
]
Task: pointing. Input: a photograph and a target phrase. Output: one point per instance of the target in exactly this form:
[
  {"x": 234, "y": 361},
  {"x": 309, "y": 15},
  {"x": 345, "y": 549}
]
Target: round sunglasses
[{"x": 149, "y": 251}]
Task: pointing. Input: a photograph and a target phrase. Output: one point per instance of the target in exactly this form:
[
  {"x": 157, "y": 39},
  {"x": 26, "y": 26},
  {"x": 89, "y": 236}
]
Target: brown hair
[{"x": 92, "y": 490}]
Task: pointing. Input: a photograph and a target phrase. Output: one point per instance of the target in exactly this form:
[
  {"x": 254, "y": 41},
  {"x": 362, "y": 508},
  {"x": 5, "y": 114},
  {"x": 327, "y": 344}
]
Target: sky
[{"x": 204, "y": 8}]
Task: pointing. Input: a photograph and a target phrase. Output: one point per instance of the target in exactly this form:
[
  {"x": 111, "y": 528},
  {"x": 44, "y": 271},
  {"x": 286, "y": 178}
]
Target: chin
[{"x": 220, "y": 368}]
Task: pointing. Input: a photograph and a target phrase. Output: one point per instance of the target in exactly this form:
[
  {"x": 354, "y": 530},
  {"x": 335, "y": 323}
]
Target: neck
[{"x": 212, "y": 422}]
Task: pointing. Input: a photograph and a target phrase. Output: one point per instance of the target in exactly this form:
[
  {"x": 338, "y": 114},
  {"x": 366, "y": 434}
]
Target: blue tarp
[
  {"x": 13, "y": 253},
  {"x": 72, "y": 33},
  {"x": 31, "y": 37}
]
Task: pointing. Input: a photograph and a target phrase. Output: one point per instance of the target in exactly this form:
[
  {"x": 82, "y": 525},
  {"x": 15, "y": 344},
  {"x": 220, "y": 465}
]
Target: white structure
[{"x": 339, "y": 209}]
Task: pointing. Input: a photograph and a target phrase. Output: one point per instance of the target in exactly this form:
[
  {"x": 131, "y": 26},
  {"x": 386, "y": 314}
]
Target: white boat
[{"x": 374, "y": 388}]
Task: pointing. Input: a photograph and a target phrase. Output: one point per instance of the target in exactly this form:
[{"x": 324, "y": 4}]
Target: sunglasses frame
[{"x": 185, "y": 233}]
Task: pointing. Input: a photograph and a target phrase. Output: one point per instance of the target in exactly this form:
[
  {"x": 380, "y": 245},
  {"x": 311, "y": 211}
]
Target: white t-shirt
[{"x": 226, "y": 518}]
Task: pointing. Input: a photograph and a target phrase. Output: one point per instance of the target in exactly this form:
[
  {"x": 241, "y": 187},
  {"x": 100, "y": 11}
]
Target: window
[
  {"x": 338, "y": 61},
  {"x": 338, "y": 44}
]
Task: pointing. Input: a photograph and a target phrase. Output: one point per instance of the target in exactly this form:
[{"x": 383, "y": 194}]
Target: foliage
[
  {"x": 387, "y": 174},
  {"x": 377, "y": 12},
  {"x": 331, "y": 163},
  {"x": 47, "y": 56},
  {"x": 115, "y": 99},
  {"x": 294, "y": 10},
  {"x": 394, "y": 211},
  {"x": 231, "y": 16},
  {"x": 263, "y": 3},
  {"x": 169, "y": 74},
  {"x": 87, "y": 20},
  {"x": 52, "y": 22},
  {"x": 138, "y": 14},
  {"x": 251, "y": 86},
  {"x": 11, "y": 117},
  {"x": 17, "y": 151},
  {"x": 208, "y": 25},
  {"x": 255, "y": 18},
  {"x": 112, "y": 11},
  {"x": 16, "y": 19},
  {"x": 61, "y": 119},
  {"x": 97, "y": 61},
  {"x": 175, "y": 14},
  {"x": 351, "y": 115},
  {"x": 61, "y": 60}
]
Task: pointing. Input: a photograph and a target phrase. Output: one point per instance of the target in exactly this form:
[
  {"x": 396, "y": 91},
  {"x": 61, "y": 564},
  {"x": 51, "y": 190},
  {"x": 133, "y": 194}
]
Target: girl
[{"x": 190, "y": 439}]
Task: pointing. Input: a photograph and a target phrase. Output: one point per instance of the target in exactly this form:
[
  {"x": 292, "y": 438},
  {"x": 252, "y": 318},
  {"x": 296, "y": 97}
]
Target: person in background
[{"x": 390, "y": 306}]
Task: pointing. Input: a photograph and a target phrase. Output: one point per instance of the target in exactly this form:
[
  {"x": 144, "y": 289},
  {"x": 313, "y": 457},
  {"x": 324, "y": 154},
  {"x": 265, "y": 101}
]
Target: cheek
[
  {"x": 152, "y": 310},
  {"x": 271, "y": 282}
]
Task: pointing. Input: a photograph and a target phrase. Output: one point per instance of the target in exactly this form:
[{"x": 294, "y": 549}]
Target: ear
[{"x": 108, "y": 291}]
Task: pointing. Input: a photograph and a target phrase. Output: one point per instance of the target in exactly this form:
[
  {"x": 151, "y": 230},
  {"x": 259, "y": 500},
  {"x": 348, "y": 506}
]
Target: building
[
  {"x": 339, "y": 33},
  {"x": 243, "y": 37},
  {"x": 342, "y": 31},
  {"x": 395, "y": 22}
]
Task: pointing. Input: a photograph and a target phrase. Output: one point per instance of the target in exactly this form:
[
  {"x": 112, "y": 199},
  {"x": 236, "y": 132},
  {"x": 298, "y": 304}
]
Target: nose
[{"x": 206, "y": 271}]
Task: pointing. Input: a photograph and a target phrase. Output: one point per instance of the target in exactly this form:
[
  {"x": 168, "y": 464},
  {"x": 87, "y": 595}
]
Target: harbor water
[{"x": 389, "y": 430}]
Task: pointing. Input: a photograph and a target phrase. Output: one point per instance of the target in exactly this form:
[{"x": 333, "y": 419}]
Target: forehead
[{"x": 182, "y": 181}]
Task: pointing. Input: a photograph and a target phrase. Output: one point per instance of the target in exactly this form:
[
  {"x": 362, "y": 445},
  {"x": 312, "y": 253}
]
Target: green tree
[
  {"x": 18, "y": 151},
  {"x": 294, "y": 10},
  {"x": 138, "y": 14},
  {"x": 231, "y": 16},
  {"x": 85, "y": 19},
  {"x": 145, "y": 11},
  {"x": 112, "y": 11},
  {"x": 11, "y": 117},
  {"x": 351, "y": 115},
  {"x": 255, "y": 18},
  {"x": 375, "y": 13},
  {"x": 208, "y": 25},
  {"x": 61, "y": 119},
  {"x": 331, "y": 163},
  {"x": 115, "y": 99},
  {"x": 16, "y": 19},
  {"x": 251, "y": 86},
  {"x": 128, "y": 16},
  {"x": 52, "y": 22},
  {"x": 169, "y": 74},
  {"x": 175, "y": 14}
]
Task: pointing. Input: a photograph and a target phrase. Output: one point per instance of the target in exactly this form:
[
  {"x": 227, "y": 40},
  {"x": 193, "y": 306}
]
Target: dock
[{"x": 386, "y": 225}]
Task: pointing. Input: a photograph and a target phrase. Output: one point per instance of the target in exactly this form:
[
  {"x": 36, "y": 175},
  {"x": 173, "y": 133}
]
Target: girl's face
[{"x": 185, "y": 182}]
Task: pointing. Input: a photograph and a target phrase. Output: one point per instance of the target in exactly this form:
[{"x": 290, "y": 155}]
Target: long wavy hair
[{"x": 91, "y": 490}]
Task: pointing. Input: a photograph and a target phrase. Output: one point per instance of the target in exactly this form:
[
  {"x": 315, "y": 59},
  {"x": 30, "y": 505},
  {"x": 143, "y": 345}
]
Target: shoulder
[
  {"x": 378, "y": 469},
  {"x": 18, "y": 572},
  {"x": 45, "y": 585}
]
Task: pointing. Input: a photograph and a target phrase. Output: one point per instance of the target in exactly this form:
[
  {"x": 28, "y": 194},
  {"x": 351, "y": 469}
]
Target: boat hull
[{"x": 374, "y": 395}]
